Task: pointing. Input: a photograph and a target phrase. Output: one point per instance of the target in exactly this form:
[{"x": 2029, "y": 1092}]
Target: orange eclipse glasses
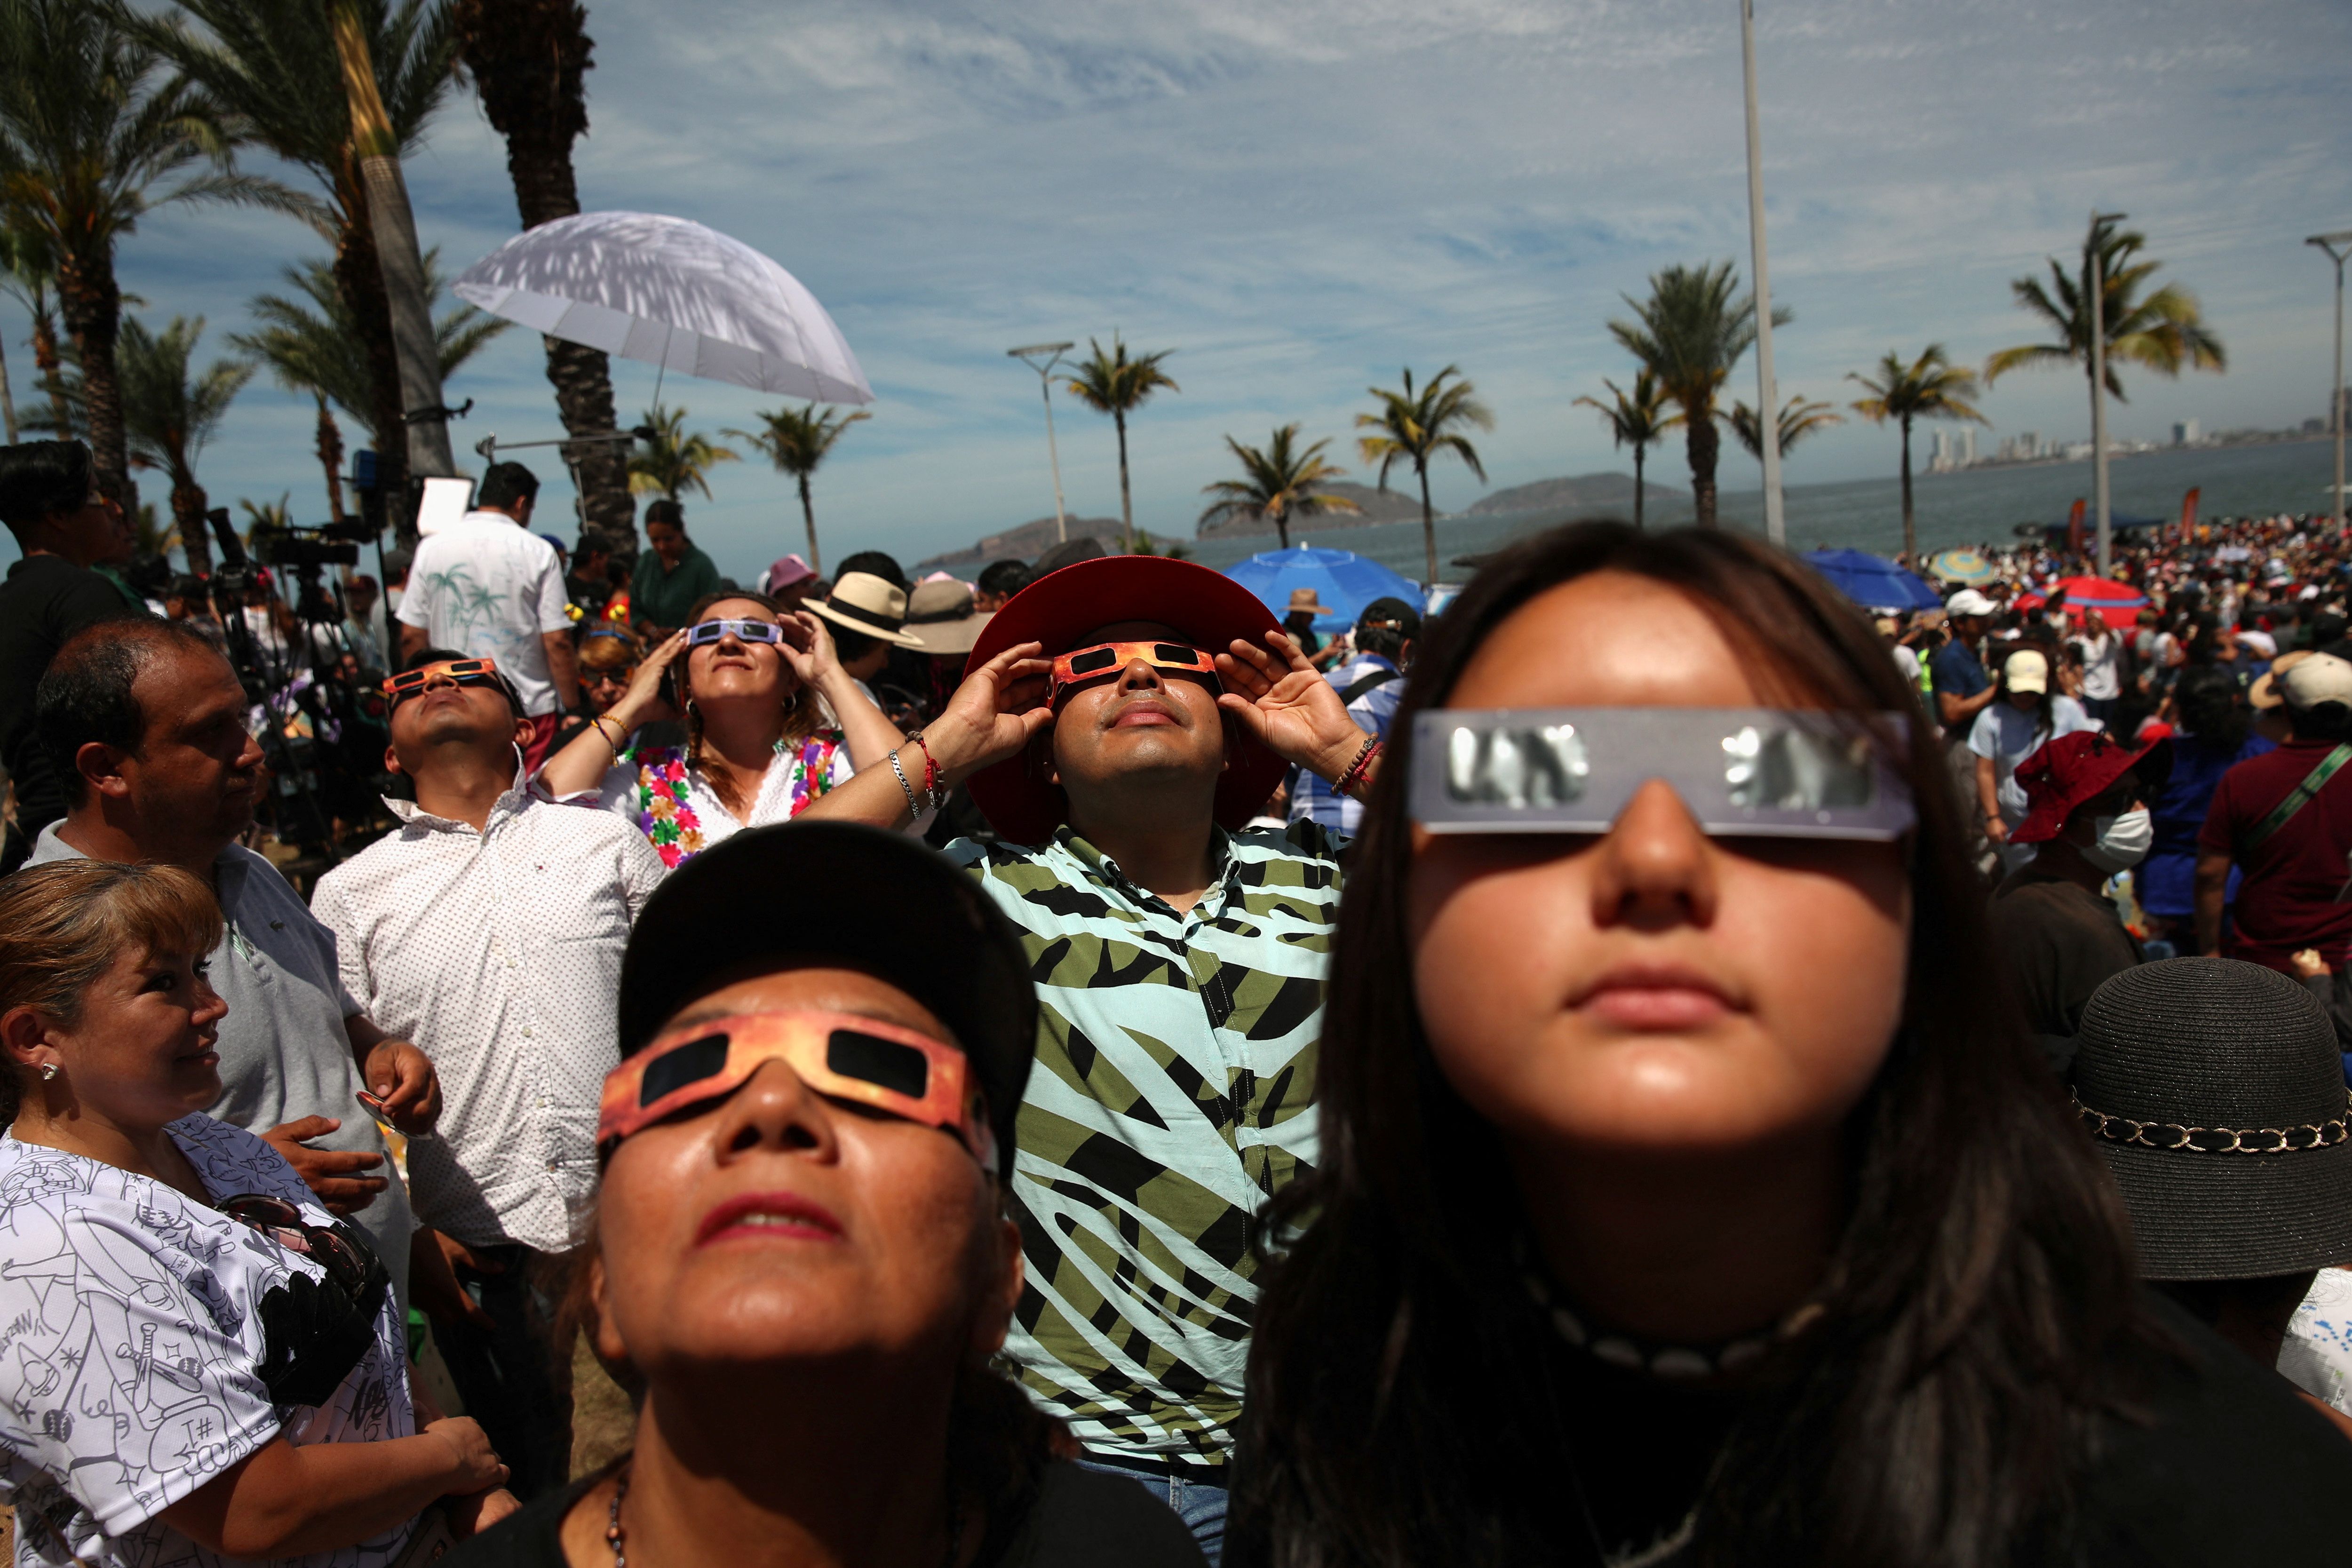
[
  {"x": 1082, "y": 665},
  {"x": 840, "y": 1055},
  {"x": 464, "y": 672}
]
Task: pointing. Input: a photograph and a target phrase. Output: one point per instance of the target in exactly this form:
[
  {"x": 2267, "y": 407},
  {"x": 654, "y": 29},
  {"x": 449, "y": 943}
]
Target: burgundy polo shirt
[{"x": 2289, "y": 898}]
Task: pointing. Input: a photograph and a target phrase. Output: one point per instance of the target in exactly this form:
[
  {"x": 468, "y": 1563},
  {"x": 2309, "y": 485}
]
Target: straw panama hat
[{"x": 865, "y": 602}]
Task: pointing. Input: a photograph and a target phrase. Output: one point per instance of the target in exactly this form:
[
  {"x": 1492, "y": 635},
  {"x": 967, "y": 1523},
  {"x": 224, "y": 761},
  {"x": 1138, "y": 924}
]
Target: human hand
[
  {"x": 327, "y": 1172},
  {"x": 808, "y": 648},
  {"x": 433, "y": 1282},
  {"x": 1995, "y": 828},
  {"x": 474, "y": 1464},
  {"x": 993, "y": 714},
  {"x": 402, "y": 1077},
  {"x": 472, "y": 1515},
  {"x": 637, "y": 703},
  {"x": 2309, "y": 965},
  {"x": 1287, "y": 707}
]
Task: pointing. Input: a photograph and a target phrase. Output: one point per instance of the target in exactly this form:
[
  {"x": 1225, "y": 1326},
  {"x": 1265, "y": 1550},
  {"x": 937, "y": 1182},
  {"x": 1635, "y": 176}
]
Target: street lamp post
[
  {"x": 2337, "y": 245},
  {"x": 2099, "y": 387},
  {"x": 1767, "y": 394},
  {"x": 1028, "y": 356}
]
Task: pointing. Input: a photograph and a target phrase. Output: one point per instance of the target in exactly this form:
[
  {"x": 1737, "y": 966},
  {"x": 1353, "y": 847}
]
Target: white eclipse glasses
[{"x": 1761, "y": 772}]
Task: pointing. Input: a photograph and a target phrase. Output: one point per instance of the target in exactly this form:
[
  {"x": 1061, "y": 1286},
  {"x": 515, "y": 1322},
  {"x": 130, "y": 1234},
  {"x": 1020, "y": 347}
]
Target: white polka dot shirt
[{"x": 498, "y": 953}]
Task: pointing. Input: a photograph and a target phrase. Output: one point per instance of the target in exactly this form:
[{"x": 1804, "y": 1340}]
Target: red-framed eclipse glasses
[
  {"x": 464, "y": 672},
  {"x": 1081, "y": 665},
  {"x": 842, "y": 1055}
]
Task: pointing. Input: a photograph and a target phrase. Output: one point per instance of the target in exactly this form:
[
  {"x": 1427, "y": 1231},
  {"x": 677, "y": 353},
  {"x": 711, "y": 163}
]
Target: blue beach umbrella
[
  {"x": 1343, "y": 581},
  {"x": 1873, "y": 582}
]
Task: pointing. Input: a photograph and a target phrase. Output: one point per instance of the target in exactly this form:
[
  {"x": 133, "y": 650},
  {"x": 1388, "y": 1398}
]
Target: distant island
[
  {"x": 1576, "y": 494},
  {"x": 1379, "y": 506},
  {"x": 1025, "y": 542}
]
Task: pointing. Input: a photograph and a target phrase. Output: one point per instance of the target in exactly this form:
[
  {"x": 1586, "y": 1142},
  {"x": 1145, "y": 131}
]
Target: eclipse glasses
[
  {"x": 1082, "y": 665},
  {"x": 842, "y": 1055},
  {"x": 703, "y": 632},
  {"x": 461, "y": 671},
  {"x": 1760, "y": 772}
]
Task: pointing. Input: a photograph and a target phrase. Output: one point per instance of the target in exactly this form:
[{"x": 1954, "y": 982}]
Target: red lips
[{"x": 779, "y": 1216}]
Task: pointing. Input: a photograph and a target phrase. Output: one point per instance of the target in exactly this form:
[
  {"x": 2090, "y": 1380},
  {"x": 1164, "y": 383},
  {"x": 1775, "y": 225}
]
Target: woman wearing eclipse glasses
[
  {"x": 772, "y": 723},
  {"x": 1685, "y": 1195},
  {"x": 801, "y": 1264}
]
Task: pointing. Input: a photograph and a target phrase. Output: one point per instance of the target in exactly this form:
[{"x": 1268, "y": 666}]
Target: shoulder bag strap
[
  {"x": 2299, "y": 797},
  {"x": 1356, "y": 689}
]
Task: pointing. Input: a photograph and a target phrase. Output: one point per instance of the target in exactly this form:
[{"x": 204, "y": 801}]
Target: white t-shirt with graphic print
[{"x": 132, "y": 1334}]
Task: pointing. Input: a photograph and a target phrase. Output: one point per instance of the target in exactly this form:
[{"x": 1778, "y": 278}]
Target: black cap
[
  {"x": 2186, "y": 1071},
  {"x": 857, "y": 896},
  {"x": 1392, "y": 611}
]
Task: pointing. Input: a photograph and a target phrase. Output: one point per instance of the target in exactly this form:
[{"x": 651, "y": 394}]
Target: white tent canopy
[{"x": 672, "y": 293}]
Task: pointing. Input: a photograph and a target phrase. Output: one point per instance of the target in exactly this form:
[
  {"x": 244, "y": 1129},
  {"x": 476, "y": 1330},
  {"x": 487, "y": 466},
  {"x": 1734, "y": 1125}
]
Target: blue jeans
[{"x": 1201, "y": 1504}]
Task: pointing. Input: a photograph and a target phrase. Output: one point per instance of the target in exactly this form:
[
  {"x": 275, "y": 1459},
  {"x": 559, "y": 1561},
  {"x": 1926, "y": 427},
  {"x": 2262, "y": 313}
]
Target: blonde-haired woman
[
  {"x": 772, "y": 723},
  {"x": 203, "y": 1364}
]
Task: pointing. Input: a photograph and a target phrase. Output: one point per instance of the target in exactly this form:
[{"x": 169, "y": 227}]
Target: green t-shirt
[{"x": 665, "y": 596}]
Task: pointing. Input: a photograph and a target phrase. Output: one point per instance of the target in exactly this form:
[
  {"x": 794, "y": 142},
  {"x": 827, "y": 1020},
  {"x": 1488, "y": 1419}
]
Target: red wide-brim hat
[
  {"x": 1061, "y": 609},
  {"x": 2061, "y": 774}
]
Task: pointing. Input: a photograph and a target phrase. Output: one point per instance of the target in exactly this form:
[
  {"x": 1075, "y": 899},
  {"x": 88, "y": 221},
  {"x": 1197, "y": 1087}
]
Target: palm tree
[
  {"x": 1418, "y": 425},
  {"x": 271, "y": 71},
  {"x": 1797, "y": 420},
  {"x": 88, "y": 136},
  {"x": 1277, "y": 484},
  {"x": 1115, "y": 385},
  {"x": 1639, "y": 421},
  {"x": 311, "y": 345},
  {"x": 2164, "y": 330},
  {"x": 170, "y": 411},
  {"x": 1690, "y": 333},
  {"x": 29, "y": 276},
  {"x": 529, "y": 59},
  {"x": 796, "y": 443},
  {"x": 674, "y": 460},
  {"x": 1928, "y": 387}
]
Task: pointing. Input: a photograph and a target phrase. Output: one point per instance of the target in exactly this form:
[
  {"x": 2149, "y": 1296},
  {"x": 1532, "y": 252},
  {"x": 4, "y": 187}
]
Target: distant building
[
  {"x": 2028, "y": 444},
  {"x": 1940, "y": 456},
  {"x": 2076, "y": 451},
  {"x": 1966, "y": 454},
  {"x": 2185, "y": 433}
]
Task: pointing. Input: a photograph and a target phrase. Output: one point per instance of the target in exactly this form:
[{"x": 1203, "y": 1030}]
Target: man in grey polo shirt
[{"x": 144, "y": 723}]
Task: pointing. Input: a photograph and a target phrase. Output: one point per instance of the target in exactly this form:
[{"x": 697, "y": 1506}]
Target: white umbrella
[{"x": 671, "y": 293}]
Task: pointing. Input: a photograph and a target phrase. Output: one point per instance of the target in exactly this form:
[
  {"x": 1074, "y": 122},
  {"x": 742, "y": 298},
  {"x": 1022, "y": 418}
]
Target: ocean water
[{"x": 1974, "y": 506}]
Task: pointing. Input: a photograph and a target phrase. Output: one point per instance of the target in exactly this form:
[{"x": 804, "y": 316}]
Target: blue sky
[{"x": 1302, "y": 197}]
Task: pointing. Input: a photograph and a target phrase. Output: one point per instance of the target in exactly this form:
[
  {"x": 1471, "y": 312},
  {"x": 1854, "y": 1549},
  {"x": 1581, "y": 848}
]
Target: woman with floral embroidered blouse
[{"x": 773, "y": 721}]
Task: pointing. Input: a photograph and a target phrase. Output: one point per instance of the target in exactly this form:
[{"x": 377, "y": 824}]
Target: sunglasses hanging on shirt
[{"x": 1758, "y": 772}]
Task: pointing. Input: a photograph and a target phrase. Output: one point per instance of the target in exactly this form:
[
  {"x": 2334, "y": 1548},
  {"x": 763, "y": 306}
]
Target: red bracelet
[
  {"x": 1354, "y": 776},
  {"x": 931, "y": 790}
]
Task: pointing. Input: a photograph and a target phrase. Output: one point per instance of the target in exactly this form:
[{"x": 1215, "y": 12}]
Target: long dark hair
[
  {"x": 2209, "y": 709},
  {"x": 1974, "y": 1308}
]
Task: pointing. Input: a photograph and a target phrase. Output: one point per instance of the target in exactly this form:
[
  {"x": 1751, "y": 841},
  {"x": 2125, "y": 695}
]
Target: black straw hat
[
  {"x": 859, "y": 897},
  {"x": 2216, "y": 1092}
]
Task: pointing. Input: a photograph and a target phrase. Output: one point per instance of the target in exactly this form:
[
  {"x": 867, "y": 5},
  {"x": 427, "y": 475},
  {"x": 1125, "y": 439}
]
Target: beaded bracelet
[
  {"x": 932, "y": 789},
  {"x": 1353, "y": 780},
  {"x": 597, "y": 724}
]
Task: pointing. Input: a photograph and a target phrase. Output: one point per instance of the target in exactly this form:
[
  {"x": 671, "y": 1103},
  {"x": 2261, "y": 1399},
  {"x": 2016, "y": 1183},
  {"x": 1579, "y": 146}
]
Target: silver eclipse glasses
[{"x": 1764, "y": 772}]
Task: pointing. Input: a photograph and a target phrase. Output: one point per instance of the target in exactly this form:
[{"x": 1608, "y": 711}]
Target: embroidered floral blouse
[{"x": 675, "y": 808}]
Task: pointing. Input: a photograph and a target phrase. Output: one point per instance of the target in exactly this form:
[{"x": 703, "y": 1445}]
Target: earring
[{"x": 48, "y": 1072}]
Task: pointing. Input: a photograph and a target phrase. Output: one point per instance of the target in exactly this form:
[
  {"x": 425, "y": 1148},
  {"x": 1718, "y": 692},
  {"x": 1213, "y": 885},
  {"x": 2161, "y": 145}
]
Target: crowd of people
[{"x": 1075, "y": 1067}]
